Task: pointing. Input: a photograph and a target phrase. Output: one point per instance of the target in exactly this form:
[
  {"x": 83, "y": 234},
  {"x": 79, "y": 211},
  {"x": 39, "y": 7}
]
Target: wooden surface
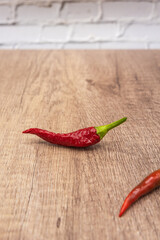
[{"x": 52, "y": 192}]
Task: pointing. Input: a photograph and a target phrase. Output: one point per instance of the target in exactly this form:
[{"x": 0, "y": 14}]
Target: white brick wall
[{"x": 87, "y": 24}]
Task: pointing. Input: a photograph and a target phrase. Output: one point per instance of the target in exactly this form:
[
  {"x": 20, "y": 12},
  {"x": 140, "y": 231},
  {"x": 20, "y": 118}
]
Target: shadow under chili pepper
[
  {"x": 112, "y": 146},
  {"x": 89, "y": 148}
]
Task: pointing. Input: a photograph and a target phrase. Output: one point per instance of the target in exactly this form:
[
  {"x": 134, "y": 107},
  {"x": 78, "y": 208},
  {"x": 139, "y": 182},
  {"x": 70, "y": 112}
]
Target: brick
[
  {"x": 94, "y": 32},
  {"x": 80, "y": 11},
  {"x": 58, "y": 33},
  {"x": 143, "y": 32},
  {"x": 157, "y": 11},
  {"x": 36, "y": 2},
  {"x": 10, "y": 34},
  {"x": 37, "y": 14},
  {"x": 5, "y": 46},
  {"x": 39, "y": 46},
  {"x": 81, "y": 46},
  {"x": 2, "y": 2},
  {"x": 154, "y": 45},
  {"x": 126, "y": 10},
  {"x": 5, "y": 14},
  {"x": 123, "y": 45}
]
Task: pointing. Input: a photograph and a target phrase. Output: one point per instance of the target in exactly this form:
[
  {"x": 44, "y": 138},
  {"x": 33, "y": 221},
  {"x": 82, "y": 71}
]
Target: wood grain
[{"x": 52, "y": 192}]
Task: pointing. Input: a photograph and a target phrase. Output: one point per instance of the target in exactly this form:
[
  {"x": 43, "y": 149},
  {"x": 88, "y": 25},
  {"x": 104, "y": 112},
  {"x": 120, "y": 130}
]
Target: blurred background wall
[{"x": 32, "y": 24}]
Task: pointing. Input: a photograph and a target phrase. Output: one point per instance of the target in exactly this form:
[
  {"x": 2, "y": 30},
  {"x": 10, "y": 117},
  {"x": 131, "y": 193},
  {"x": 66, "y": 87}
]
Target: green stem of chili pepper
[{"x": 102, "y": 130}]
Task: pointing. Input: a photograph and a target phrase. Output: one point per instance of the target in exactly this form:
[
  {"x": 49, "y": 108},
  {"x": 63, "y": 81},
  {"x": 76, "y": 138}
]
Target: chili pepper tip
[
  {"x": 123, "y": 209},
  {"x": 27, "y": 131}
]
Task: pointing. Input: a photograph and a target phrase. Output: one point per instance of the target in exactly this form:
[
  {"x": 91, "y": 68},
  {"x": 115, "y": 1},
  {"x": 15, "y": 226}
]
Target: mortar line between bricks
[
  {"x": 44, "y": 3},
  {"x": 147, "y": 45},
  {"x": 131, "y": 21},
  {"x": 80, "y": 42}
]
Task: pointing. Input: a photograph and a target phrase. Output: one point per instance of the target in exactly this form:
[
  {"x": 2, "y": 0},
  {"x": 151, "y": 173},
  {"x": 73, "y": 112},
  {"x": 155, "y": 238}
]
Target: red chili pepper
[
  {"x": 147, "y": 185},
  {"x": 81, "y": 138}
]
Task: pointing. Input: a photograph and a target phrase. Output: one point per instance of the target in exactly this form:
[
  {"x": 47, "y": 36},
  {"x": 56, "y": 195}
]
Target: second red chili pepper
[
  {"x": 81, "y": 138},
  {"x": 146, "y": 186}
]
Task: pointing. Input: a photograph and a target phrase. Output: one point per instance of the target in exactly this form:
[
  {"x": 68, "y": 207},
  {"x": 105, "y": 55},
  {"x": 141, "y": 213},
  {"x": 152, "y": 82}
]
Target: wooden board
[{"x": 52, "y": 192}]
